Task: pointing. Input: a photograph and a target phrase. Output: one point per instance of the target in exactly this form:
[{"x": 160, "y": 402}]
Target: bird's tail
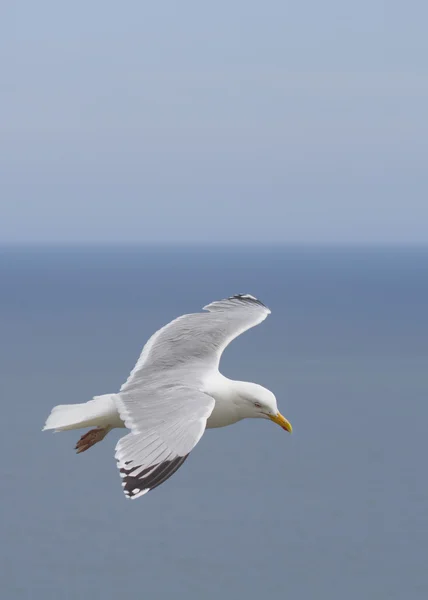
[{"x": 100, "y": 411}]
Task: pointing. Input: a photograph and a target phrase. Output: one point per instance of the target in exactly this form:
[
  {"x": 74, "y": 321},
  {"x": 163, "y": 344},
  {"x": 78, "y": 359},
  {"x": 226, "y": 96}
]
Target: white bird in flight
[{"x": 174, "y": 393}]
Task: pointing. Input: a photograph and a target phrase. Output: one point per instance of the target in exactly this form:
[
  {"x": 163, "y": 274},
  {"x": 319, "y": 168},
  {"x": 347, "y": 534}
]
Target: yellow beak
[{"x": 281, "y": 421}]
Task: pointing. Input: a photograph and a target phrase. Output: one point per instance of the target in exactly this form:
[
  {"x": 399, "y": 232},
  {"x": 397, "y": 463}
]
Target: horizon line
[{"x": 211, "y": 245}]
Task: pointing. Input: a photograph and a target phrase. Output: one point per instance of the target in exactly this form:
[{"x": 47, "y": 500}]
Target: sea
[{"x": 336, "y": 511}]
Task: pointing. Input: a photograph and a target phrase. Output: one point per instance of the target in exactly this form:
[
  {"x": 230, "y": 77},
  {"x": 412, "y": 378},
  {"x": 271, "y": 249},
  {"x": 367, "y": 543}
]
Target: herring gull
[{"x": 174, "y": 393}]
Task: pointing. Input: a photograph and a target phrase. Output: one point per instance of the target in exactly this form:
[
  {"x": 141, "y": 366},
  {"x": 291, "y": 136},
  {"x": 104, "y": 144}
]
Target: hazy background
[
  {"x": 236, "y": 124},
  {"x": 222, "y": 122}
]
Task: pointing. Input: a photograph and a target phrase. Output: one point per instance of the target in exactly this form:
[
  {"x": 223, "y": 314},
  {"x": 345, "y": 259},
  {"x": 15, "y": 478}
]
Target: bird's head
[{"x": 258, "y": 402}]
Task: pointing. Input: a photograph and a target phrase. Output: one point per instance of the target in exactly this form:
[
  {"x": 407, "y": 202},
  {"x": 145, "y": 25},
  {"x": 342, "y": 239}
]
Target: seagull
[{"x": 173, "y": 394}]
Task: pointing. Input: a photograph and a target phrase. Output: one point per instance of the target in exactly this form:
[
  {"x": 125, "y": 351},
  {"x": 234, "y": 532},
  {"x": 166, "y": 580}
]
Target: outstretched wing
[
  {"x": 196, "y": 342},
  {"x": 162, "y": 402},
  {"x": 169, "y": 425}
]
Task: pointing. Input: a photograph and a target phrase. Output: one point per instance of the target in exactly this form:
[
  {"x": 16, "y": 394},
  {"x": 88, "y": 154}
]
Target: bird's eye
[{"x": 257, "y": 404}]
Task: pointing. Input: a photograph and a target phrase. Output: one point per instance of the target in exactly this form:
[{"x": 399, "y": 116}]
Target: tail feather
[{"x": 101, "y": 411}]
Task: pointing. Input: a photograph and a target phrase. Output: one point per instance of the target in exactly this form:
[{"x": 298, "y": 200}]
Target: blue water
[{"x": 337, "y": 511}]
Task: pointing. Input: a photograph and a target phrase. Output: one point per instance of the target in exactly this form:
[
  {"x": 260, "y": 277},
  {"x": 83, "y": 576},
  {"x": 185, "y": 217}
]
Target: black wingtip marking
[
  {"x": 150, "y": 477},
  {"x": 247, "y": 299}
]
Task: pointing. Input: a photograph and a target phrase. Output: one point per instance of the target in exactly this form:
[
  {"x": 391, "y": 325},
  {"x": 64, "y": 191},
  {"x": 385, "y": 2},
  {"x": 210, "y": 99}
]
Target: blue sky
[{"x": 226, "y": 122}]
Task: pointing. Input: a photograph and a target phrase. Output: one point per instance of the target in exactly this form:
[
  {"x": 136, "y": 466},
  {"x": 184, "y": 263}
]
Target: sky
[{"x": 225, "y": 122}]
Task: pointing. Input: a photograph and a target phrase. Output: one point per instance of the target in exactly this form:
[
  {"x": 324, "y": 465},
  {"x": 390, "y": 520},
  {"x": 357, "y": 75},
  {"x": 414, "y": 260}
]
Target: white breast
[{"x": 225, "y": 410}]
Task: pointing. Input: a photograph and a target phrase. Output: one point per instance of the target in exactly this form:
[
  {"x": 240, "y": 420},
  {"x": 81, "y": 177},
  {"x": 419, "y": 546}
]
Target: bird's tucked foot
[{"x": 90, "y": 438}]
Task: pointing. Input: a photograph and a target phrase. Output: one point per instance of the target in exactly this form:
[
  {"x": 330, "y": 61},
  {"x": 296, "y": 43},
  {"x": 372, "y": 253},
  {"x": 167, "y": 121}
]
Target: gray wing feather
[
  {"x": 195, "y": 342},
  {"x": 162, "y": 402},
  {"x": 166, "y": 430}
]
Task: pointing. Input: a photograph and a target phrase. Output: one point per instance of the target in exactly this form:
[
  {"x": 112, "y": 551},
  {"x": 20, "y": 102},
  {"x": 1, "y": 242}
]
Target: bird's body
[{"x": 174, "y": 393}]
